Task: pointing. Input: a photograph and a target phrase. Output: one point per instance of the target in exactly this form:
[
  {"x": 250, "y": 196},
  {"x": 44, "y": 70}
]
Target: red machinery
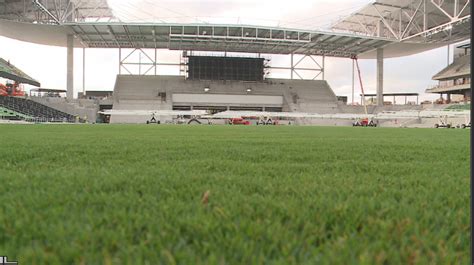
[
  {"x": 238, "y": 121},
  {"x": 12, "y": 89},
  {"x": 364, "y": 122}
]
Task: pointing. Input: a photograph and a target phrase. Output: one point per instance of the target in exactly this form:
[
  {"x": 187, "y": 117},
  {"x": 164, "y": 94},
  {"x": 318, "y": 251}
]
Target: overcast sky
[{"x": 48, "y": 64}]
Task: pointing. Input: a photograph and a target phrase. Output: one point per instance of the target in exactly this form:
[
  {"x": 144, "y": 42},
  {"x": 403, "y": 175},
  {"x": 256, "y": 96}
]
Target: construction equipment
[
  {"x": 364, "y": 122},
  {"x": 12, "y": 89},
  {"x": 153, "y": 120},
  {"x": 266, "y": 121},
  {"x": 466, "y": 124},
  {"x": 354, "y": 57},
  {"x": 443, "y": 123},
  {"x": 238, "y": 121}
]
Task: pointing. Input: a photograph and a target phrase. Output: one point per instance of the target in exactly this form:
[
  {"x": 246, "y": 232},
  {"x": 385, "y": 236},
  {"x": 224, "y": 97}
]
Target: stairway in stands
[{"x": 34, "y": 110}]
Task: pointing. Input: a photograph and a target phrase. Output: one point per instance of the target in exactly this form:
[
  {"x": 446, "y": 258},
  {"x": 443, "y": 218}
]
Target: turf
[{"x": 105, "y": 194}]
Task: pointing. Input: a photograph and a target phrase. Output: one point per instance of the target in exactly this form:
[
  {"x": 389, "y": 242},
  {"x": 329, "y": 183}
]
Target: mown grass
[
  {"x": 105, "y": 194},
  {"x": 459, "y": 107}
]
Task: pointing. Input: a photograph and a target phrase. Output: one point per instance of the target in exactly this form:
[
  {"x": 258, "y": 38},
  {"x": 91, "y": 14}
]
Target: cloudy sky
[{"x": 48, "y": 64}]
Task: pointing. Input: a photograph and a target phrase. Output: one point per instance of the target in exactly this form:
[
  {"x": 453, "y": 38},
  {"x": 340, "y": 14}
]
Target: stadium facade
[
  {"x": 382, "y": 29},
  {"x": 455, "y": 79}
]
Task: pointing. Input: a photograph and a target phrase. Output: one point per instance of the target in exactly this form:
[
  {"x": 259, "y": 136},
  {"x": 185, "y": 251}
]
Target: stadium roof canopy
[
  {"x": 9, "y": 71},
  {"x": 461, "y": 67},
  {"x": 375, "y": 26},
  {"x": 420, "y": 21}
]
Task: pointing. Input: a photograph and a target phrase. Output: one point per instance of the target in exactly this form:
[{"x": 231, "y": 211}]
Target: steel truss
[
  {"x": 56, "y": 11},
  {"x": 418, "y": 21},
  {"x": 139, "y": 61},
  {"x": 295, "y": 69}
]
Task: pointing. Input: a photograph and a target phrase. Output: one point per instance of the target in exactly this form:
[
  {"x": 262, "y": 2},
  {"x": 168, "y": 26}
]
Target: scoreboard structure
[{"x": 225, "y": 68}]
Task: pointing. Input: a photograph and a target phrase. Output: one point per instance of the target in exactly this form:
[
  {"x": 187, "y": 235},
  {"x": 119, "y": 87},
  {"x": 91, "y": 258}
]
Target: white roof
[
  {"x": 398, "y": 26},
  {"x": 199, "y": 37},
  {"x": 416, "y": 21}
]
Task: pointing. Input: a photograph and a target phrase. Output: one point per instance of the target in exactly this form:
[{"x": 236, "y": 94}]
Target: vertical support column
[
  {"x": 425, "y": 17},
  {"x": 448, "y": 55},
  {"x": 140, "y": 62},
  {"x": 456, "y": 8},
  {"x": 292, "y": 68},
  {"x": 120, "y": 61},
  {"x": 448, "y": 98},
  {"x": 156, "y": 60},
  {"x": 70, "y": 67},
  {"x": 83, "y": 71},
  {"x": 379, "y": 77},
  {"x": 323, "y": 70},
  {"x": 353, "y": 79},
  {"x": 379, "y": 28}
]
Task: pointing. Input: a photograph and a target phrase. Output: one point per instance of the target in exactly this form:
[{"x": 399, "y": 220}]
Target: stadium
[{"x": 127, "y": 176}]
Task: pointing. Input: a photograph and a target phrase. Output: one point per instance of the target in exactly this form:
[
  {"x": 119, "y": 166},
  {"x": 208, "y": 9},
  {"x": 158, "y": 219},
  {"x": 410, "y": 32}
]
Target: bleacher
[
  {"x": 172, "y": 92},
  {"x": 32, "y": 111}
]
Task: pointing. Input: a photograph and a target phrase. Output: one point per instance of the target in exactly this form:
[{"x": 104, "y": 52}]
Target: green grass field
[{"x": 105, "y": 194}]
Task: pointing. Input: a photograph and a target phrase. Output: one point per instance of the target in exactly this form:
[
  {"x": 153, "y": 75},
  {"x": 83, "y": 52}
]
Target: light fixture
[
  {"x": 249, "y": 90},
  {"x": 204, "y": 32},
  {"x": 206, "y": 89}
]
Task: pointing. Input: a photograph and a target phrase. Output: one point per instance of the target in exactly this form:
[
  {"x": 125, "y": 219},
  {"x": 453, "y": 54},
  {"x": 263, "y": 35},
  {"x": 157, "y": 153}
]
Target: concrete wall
[{"x": 80, "y": 107}]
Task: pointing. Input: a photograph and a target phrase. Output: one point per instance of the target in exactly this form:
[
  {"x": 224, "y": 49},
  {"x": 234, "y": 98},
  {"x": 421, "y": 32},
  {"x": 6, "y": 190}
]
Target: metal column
[
  {"x": 70, "y": 67},
  {"x": 83, "y": 71},
  {"x": 120, "y": 61},
  {"x": 353, "y": 62},
  {"x": 156, "y": 59},
  {"x": 292, "y": 67},
  {"x": 379, "y": 77},
  {"x": 323, "y": 70},
  {"x": 448, "y": 56}
]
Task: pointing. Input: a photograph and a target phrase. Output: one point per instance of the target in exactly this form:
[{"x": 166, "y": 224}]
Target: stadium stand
[
  {"x": 175, "y": 92},
  {"x": 6, "y": 114},
  {"x": 86, "y": 109},
  {"x": 455, "y": 79},
  {"x": 32, "y": 111}
]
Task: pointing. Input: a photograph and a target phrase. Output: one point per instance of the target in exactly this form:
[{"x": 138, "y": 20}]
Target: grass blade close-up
[{"x": 136, "y": 194}]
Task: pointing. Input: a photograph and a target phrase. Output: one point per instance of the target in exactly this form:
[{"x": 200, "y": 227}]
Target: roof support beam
[
  {"x": 442, "y": 10},
  {"x": 386, "y": 23},
  {"x": 462, "y": 9},
  {"x": 101, "y": 37},
  {"x": 46, "y": 11},
  {"x": 382, "y": 4},
  {"x": 411, "y": 20}
]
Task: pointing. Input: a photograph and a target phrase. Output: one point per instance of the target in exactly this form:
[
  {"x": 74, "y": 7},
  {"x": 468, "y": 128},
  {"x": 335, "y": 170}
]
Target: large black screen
[{"x": 225, "y": 68}]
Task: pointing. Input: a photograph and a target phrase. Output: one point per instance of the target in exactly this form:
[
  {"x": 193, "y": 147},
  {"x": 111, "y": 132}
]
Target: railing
[
  {"x": 38, "y": 119},
  {"x": 467, "y": 82}
]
